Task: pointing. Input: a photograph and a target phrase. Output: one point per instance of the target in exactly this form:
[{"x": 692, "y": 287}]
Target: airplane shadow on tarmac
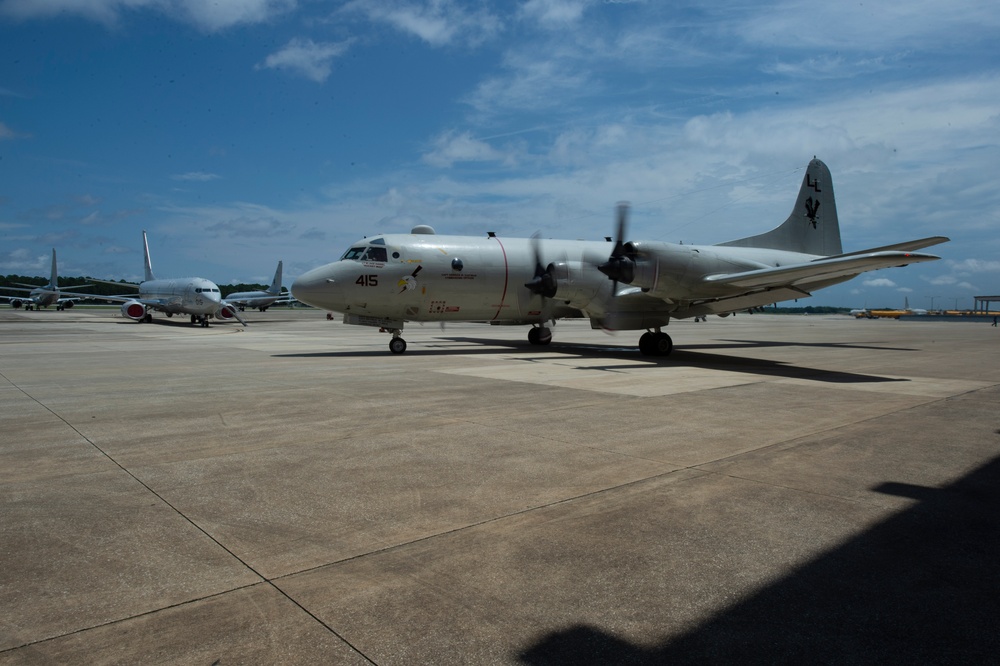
[
  {"x": 921, "y": 587},
  {"x": 680, "y": 357}
]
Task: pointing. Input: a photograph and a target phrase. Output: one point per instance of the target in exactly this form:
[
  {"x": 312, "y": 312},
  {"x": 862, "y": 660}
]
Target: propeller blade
[
  {"x": 544, "y": 282},
  {"x": 619, "y": 267}
]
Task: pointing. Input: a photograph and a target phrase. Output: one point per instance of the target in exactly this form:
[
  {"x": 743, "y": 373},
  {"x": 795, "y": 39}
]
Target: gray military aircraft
[
  {"x": 43, "y": 297},
  {"x": 390, "y": 279},
  {"x": 193, "y": 296},
  {"x": 261, "y": 300}
]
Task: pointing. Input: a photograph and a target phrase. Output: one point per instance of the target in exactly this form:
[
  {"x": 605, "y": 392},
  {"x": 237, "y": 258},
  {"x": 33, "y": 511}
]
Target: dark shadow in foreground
[{"x": 922, "y": 587}]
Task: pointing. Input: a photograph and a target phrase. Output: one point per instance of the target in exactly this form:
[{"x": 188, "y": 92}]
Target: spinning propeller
[
  {"x": 544, "y": 282},
  {"x": 620, "y": 267}
]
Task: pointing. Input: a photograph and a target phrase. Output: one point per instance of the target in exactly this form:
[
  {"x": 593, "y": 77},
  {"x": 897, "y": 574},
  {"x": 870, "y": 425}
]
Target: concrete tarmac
[{"x": 780, "y": 489}]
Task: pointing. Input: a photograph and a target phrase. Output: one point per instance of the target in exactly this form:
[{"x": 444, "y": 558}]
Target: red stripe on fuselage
[{"x": 506, "y": 277}]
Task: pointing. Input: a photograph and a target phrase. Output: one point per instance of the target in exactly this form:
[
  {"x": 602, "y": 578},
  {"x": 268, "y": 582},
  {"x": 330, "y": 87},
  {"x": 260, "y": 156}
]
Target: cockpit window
[
  {"x": 354, "y": 253},
  {"x": 375, "y": 254},
  {"x": 366, "y": 254}
]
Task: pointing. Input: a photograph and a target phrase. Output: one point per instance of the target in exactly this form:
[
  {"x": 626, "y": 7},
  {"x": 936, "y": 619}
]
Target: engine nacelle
[
  {"x": 226, "y": 312},
  {"x": 16, "y": 303},
  {"x": 577, "y": 283},
  {"x": 134, "y": 310},
  {"x": 67, "y": 305}
]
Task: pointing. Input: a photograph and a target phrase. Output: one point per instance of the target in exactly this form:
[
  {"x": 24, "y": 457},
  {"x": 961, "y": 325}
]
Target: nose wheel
[{"x": 397, "y": 345}]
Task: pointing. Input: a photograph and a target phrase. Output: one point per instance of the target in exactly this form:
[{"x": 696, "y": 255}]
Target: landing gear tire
[
  {"x": 397, "y": 345},
  {"x": 655, "y": 344},
  {"x": 539, "y": 335}
]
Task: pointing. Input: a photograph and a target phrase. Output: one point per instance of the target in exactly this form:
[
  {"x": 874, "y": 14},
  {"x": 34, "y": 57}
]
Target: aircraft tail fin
[
  {"x": 54, "y": 280},
  {"x": 812, "y": 227},
  {"x": 275, "y": 287},
  {"x": 148, "y": 265}
]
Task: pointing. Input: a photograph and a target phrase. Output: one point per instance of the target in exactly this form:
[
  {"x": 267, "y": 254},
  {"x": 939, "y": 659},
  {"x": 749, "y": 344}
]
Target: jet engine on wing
[
  {"x": 226, "y": 312},
  {"x": 134, "y": 310},
  {"x": 67, "y": 305},
  {"x": 16, "y": 303}
]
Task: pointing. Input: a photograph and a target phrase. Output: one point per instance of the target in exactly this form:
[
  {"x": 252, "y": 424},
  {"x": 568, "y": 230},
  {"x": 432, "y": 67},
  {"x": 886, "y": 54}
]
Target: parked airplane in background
[
  {"x": 386, "y": 280},
  {"x": 889, "y": 314},
  {"x": 193, "y": 296},
  {"x": 43, "y": 297},
  {"x": 261, "y": 300}
]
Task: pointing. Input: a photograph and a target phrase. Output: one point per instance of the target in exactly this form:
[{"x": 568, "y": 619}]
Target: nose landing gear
[{"x": 397, "y": 345}]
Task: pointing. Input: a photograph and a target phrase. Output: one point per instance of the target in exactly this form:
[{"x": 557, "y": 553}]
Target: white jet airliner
[
  {"x": 261, "y": 300},
  {"x": 44, "y": 296},
  {"x": 194, "y": 296}
]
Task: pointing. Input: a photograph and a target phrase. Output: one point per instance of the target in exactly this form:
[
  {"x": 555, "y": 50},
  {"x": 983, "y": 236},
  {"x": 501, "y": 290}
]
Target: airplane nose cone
[{"x": 317, "y": 288}]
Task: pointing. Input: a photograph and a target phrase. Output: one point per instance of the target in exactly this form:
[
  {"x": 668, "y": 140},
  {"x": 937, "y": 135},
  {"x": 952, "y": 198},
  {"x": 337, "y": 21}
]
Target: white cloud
[
  {"x": 879, "y": 282},
  {"x": 854, "y": 26},
  {"x": 207, "y": 16},
  {"x": 554, "y": 13},
  {"x": 196, "y": 176},
  {"x": 975, "y": 266},
  {"x": 6, "y": 132},
  {"x": 306, "y": 57},
  {"x": 530, "y": 85},
  {"x": 219, "y": 14},
  {"x": 451, "y": 147},
  {"x": 437, "y": 22}
]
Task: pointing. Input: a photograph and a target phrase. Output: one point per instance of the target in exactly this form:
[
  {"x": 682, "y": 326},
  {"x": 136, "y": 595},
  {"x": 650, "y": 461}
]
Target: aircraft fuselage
[
  {"x": 425, "y": 277},
  {"x": 195, "y": 296}
]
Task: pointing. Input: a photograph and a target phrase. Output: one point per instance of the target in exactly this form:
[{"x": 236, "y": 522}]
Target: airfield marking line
[
  {"x": 791, "y": 442},
  {"x": 199, "y": 528},
  {"x": 487, "y": 521},
  {"x": 694, "y": 471}
]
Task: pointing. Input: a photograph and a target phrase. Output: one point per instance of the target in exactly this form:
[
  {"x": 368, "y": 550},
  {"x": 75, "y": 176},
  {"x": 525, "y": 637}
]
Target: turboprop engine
[{"x": 134, "y": 310}]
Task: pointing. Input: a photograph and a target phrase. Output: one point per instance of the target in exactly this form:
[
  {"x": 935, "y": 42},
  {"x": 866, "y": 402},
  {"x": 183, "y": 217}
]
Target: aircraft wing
[
  {"x": 151, "y": 302},
  {"x": 839, "y": 266}
]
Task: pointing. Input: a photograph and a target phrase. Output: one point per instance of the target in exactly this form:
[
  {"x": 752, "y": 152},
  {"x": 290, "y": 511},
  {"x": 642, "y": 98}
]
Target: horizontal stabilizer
[
  {"x": 820, "y": 269},
  {"x": 908, "y": 246}
]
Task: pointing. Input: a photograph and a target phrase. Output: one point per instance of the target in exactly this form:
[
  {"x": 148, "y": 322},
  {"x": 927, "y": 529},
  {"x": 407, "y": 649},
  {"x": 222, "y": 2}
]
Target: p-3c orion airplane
[
  {"x": 193, "y": 296},
  {"x": 387, "y": 280},
  {"x": 43, "y": 297}
]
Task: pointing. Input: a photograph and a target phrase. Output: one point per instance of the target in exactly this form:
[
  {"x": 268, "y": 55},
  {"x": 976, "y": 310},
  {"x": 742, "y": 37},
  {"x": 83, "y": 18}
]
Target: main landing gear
[
  {"x": 539, "y": 335},
  {"x": 655, "y": 343},
  {"x": 199, "y": 319}
]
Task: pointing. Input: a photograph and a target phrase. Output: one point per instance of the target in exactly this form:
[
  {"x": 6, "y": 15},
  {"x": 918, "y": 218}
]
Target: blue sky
[{"x": 241, "y": 132}]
